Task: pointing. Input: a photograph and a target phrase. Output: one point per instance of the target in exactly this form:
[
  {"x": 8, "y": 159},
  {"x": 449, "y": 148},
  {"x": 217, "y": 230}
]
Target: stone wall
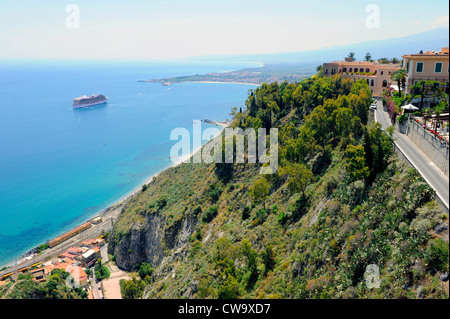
[{"x": 436, "y": 149}]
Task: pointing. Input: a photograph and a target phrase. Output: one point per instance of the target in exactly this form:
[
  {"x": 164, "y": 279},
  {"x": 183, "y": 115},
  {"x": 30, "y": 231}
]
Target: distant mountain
[{"x": 393, "y": 47}]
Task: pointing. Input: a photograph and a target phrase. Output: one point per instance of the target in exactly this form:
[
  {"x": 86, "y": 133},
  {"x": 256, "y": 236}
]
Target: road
[{"x": 429, "y": 171}]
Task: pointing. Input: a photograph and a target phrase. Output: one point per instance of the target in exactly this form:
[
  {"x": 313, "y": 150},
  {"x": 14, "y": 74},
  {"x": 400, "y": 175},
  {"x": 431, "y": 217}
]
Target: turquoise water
[{"x": 59, "y": 166}]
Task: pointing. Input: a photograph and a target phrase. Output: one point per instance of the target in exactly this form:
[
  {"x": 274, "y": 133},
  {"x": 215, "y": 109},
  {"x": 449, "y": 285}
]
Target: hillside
[{"x": 340, "y": 201}]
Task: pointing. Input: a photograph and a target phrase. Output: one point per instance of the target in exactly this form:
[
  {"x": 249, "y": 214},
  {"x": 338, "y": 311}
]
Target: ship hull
[{"x": 88, "y": 105}]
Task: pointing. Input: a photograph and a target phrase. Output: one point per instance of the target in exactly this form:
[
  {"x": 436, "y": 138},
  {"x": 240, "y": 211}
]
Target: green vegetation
[
  {"x": 340, "y": 201},
  {"x": 101, "y": 271},
  {"x": 132, "y": 289},
  {"x": 54, "y": 288},
  {"x": 41, "y": 248}
]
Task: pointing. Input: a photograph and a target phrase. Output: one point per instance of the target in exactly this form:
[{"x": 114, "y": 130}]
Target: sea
[{"x": 60, "y": 166}]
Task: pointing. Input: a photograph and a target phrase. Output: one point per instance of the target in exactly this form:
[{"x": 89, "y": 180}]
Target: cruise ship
[{"x": 85, "y": 101}]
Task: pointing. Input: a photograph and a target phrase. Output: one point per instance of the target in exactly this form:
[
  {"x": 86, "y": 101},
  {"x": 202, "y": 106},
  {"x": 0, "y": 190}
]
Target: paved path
[{"x": 429, "y": 171}]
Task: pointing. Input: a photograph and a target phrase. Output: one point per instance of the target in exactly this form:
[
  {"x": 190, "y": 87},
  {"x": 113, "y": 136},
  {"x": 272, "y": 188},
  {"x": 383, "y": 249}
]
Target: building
[
  {"x": 90, "y": 257},
  {"x": 426, "y": 66},
  {"x": 97, "y": 220},
  {"x": 80, "y": 277},
  {"x": 38, "y": 274},
  {"x": 72, "y": 253},
  {"x": 377, "y": 75},
  {"x": 92, "y": 242}
]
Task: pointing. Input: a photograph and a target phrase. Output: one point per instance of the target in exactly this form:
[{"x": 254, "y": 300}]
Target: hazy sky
[{"x": 137, "y": 29}]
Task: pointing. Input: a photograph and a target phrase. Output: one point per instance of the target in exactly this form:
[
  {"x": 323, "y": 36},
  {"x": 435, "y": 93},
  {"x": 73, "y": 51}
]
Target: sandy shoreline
[{"x": 112, "y": 208}]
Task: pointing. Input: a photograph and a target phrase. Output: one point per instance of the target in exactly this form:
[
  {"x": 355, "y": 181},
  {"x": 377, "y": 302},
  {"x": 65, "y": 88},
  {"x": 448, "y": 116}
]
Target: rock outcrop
[{"x": 151, "y": 241}]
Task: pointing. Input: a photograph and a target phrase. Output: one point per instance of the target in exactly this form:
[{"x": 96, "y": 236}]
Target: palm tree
[
  {"x": 384, "y": 60},
  {"x": 399, "y": 76},
  {"x": 352, "y": 55},
  {"x": 368, "y": 57},
  {"x": 395, "y": 60}
]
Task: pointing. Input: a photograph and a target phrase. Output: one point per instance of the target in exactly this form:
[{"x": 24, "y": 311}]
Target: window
[
  {"x": 350, "y": 70},
  {"x": 326, "y": 71},
  {"x": 419, "y": 67},
  {"x": 345, "y": 70},
  {"x": 381, "y": 72},
  {"x": 367, "y": 70},
  {"x": 333, "y": 71},
  {"x": 361, "y": 70},
  {"x": 438, "y": 67},
  {"x": 372, "y": 83},
  {"x": 384, "y": 83}
]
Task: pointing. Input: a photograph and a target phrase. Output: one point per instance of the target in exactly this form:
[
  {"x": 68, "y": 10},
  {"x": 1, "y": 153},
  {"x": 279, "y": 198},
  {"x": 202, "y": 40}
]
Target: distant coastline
[
  {"x": 168, "y": 83},
  {"x": 290, "y": 73}
]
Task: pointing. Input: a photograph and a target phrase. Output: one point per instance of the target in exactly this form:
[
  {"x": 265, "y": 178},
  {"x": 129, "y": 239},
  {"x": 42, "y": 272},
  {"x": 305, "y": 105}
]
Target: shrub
[
  {"x": 402, "y": 118},
  {"x": 214, "y": 192},
  {"x": 197, "y": 210},
  {"x": 282, "y": 218},
  {"x": 229, "y": 289},
  {"x": 210, "y": 214},
  {"x": 161, "y": 202},
  {"x": 436, "y": 255},
  {"x": 246, "y": 212},
  {"x": 145, "y": 271},
  {"x": 132, "y": 289},
  {"x": 268, "y": 257}
]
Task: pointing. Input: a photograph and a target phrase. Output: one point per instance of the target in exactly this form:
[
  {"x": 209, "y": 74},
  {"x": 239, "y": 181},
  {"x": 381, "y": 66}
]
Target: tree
[
  {"x": 399, "y": 76},
  {"x": 356, "y": 163},
  {"x": 427, "y": 89},
  {"x": 298, "y": 176},
  {"x": 395, "y": 60},
  {"x": 268, "y": 257},
  {"x": 367, "y": 142},
  {"x": 145, "y": 271},
  {"x": 260, "y": 190},
  {"x": 132, "y": 289},
  {"x": 384, "y": 60},
  {"x": 368, "y": 57},
  {"x": 252, "y": 263},
  {"x": 436, "y": 255},
  {"x": 352, "y": 55}
]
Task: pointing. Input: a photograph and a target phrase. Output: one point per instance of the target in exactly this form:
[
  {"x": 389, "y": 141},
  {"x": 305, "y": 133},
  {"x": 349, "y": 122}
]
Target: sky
[{"x": 170, "y": 29}]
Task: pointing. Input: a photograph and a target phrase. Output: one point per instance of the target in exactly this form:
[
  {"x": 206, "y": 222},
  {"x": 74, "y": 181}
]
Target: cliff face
[{"x": 151, "y": 241}]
